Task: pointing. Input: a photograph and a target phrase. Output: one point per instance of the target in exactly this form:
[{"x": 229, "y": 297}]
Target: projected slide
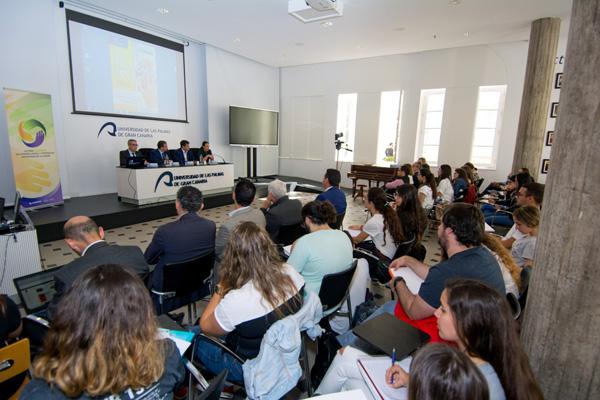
[{"x": 121, "y": 75}]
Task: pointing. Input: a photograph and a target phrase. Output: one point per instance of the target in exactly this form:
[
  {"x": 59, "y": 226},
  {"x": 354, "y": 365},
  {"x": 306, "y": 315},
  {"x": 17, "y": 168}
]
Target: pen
[{"x": 393, "y": 361}]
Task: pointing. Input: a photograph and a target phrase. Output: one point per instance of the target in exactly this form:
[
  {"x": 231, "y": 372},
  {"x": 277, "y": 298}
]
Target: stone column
[
  {"x": 561, "y": 327},
  {"x": 543, "y": 43}
]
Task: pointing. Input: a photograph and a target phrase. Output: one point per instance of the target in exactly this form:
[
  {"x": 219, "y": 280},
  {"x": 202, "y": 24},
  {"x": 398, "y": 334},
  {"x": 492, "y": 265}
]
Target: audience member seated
[
  {"x": 402, "y": 177},
  {"x": 255, "y": 290},
  {"x": 422, "y": 160},
  {"x": 427, "y": 189},
  {"x": 478, "y": 321},
  {"x": 416, "y": 168},
  {"x": 530, "y": 194},
  {"x": 312, "y": 254},
  {"x": 206, "y": 154},
  {"x": 184, "y": 154},
  {"x": 500, "y": 186},
  {"x": 445, "y": 192},
  {"x": 460, "y": 183},
  {"x": 243, "y": 197},
  {"x": 460, "y": 234},
  {"x": 132, "y": 151},
  {"x": 160, "y": 155},
  {"x": 332, "y": 192},
  {"x": 85, "y": 238},
  {"x": 189, "y": 237},
  {"x": 413, "y": 219},
  {"x": 474, "y": 171},
  {"x": 511, "y": 273},
  {"x": 382, "y": 229},
  {"x": 279, "y": 209},
  {"x": 527, "y": 220},
  {"x": 103, "y": 343},
  {"x": 10, "y": 328},
  {"x": 490, "y": 211}
]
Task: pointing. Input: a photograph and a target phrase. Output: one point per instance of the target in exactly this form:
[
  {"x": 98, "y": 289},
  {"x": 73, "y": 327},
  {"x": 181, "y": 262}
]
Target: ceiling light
[
  {"x": 237, "y": 40},
  {"x": 162, "y": 10},
  {"x": 299, "y": 44},
  {"x": 454, "y": 2},
  {"x": 326, "y": 24}
]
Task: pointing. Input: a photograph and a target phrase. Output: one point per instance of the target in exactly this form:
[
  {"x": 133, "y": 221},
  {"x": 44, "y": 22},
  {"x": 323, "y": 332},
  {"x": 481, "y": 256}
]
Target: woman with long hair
[
  {"x": 511, "y": 273},
  {"x": 255, "y": 290},
  {"x": 383, "y": 227},
  {"x": 527, "y": 221},
  {"x": 460, "y": 183},
  {"x": 403, "y": 176},
  {"x": 410, "y": 213},
  {"x": 103, "y": 342},
  {"x": 427, "y": 189},
  {"x": 311, "y": 254},
  {"x": 444, "y": 187},
  {"x": 478, "y": 320}
]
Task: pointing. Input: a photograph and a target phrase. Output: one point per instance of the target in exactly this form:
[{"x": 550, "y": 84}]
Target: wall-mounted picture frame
[
  {"x": 558, "y": 80},
  {"x": 554, "y": 110},
  {"x": 545, "y": 165},
  {"x": 549, "y": 138}
]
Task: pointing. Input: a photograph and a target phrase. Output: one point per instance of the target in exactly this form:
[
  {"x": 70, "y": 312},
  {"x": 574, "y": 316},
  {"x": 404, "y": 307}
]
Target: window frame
[
  {"x": 497, "y": 129},
  {"x": 421, "y": 126}
]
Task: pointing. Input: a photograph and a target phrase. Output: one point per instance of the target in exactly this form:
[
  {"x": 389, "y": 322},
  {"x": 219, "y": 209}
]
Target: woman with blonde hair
[
  {"x": 256, "y": 289},
  {"x": 511, "y": 273},
  {"x": 103, "y": 343},
  {"x": 527, "y": 221}
]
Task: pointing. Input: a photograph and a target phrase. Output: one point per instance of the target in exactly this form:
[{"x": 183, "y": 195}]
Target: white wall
[
  {"x": 235, "y": 80},
  {"x": 461, "y": 71},
  {"x": 35, "y": 58}
]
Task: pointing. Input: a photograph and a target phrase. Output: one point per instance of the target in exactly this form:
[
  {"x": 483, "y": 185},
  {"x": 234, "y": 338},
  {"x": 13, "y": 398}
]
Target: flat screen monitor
[{"x": 253, "y": 127}]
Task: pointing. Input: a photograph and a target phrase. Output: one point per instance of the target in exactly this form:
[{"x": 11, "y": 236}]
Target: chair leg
[
  {"x": 189, "y": 307},
  {"x": 306, "y": 366}
]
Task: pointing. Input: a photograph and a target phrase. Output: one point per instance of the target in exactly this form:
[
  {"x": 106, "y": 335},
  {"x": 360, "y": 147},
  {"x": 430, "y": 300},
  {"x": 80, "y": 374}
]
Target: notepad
[
  {"x": 489, "y": 228},
  {"x": 413, "y": 281},
  {"x": 373, "y": 371},
  {"x": 182, "y": 339},
  {"x": 287, "y": 250}
]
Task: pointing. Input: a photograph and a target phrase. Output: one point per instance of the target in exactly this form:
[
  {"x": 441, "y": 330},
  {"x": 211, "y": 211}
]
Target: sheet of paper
[
  {"x": 355, "y": 394},
  {"x": 287, "y": 250},
  {"x": 373, "y": 371},
  {"x": 413, "y": 282},
  {"x": 182, "y": 339},
  {"x": 489, "y": 228},
  {"x": 353, "y": 232}
]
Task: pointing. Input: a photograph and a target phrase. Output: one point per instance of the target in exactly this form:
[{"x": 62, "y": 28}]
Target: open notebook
[
  {"x": 373, "y": 371},
  {"x": 413, "y": 282}
]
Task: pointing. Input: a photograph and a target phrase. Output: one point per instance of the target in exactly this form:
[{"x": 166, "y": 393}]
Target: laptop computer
[
  {"x": 36, "y": 290},
  {"x": 386, "y": 332},
  {"x": 135, "y": 162}
]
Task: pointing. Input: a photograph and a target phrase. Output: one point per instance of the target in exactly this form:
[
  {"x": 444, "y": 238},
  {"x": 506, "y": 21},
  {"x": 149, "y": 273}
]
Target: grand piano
[{"x": 370, "y": 173}]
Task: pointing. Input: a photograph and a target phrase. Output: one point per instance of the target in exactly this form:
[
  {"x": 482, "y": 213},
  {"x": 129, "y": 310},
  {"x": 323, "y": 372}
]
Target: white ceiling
[{"x": 262, "y": 30}]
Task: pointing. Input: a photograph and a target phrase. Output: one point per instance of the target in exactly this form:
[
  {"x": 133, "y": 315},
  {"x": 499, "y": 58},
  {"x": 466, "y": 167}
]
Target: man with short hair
[
  {"x": 206, "y": 154},
  {"x": 332, "y": 192},
  {"x": 160, "y": 154},
  {"x": 530, "y": 194},
  {"x": 188, "y": 237},
  {"x": 183, "y": 154},
  {"x": 459, "y": 234},
  {"x": 243, "y": 197},
  {"x": 85, "y": 238},
  {"x": 132, "y": 151},
  {"x": 279, "y": 210}
]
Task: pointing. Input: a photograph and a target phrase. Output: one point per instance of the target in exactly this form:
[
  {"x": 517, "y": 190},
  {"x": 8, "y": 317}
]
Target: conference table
[{"x": 154, "y": 185}]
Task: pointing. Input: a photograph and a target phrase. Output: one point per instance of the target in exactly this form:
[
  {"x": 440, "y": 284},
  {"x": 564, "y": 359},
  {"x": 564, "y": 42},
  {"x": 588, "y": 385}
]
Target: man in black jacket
[
  {"x": 86, "y": 239},
  {"x": 132, "y": 151},
  {"x": 279, "y": 210}
]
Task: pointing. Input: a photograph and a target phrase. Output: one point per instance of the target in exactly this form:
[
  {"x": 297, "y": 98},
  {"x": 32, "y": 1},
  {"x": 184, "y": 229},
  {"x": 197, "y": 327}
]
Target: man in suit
[
  {"x": 279, "y": 210},
  {"x": 190, "y": 236},
  {"x": 332, "y": 192},
  {"x": 132, "y": 151},
  {"x": 86, "y": 239},
  {"x": 184, "y": 154},
  {"x": 206, "y": 154},
  {"x": 243, "y": 196},
  {"x": 160, "y": 154}
]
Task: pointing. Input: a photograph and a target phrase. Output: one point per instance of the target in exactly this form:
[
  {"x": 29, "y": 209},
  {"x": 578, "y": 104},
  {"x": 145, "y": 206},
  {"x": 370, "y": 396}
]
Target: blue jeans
[
  {"x": 501, "y": 219},
  {"x": 350, "y": 339},
  {"x": 488, "y": 210},
  {"x": 215, "y": 359}
]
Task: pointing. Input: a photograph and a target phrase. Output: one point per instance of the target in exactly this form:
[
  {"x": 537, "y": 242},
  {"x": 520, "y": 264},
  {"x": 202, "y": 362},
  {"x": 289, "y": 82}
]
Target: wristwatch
[{"x": 397, "y": 279}]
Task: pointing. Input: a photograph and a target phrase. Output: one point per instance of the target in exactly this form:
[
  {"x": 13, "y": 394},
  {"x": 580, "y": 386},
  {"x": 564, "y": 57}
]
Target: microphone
[{"x": 221, "y": 157}]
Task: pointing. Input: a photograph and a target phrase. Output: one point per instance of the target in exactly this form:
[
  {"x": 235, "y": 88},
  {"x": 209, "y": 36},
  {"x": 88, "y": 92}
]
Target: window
[
  {"x": 346, "y": 124},
  {"x": 486, "y": 134},
  {"x": 431, "y": 112},
  {"x": 389, "y": 123}
]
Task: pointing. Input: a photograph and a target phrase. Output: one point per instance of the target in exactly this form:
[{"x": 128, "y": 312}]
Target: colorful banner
[{"x": 33, "y": 147}]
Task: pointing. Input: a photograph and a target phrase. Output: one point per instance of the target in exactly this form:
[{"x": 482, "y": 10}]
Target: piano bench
[{"x": 360, "y": 192}]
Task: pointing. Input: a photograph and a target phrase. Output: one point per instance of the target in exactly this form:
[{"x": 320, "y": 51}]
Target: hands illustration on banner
[{"x": 32, "y": 178}]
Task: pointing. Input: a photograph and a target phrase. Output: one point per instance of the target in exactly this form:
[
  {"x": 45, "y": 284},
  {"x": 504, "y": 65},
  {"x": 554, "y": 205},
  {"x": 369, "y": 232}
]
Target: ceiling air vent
[{"x": 315, "y": 10}]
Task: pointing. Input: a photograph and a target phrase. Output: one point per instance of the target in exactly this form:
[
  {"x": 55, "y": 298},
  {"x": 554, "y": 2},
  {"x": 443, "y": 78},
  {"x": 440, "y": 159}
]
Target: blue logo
[
  {"x": 168, "y": 182},
  {"x": 111, "y": 129}
]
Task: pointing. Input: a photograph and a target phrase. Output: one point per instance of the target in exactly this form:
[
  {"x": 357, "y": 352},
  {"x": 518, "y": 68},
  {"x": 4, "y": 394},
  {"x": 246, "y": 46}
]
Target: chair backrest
[
  {"x": 525, "y": 278},
  {"x": 213, "y": 391},
  {"x": 478, "y": 183},
  {"x": 338, "y": 221},
  {"x": 187, "y": 276},
  {"x": 145, "y": 152},
  {"x": 14, "y": 359},
  {"x": 334, "y": 287},
  {"x": 289, "y": 233},
  {"x": 171, "y": 153},
  {"x": 405, "y": 247},
  {"x": 514, "y": 304},
  {"x": 196, "y": 152}
]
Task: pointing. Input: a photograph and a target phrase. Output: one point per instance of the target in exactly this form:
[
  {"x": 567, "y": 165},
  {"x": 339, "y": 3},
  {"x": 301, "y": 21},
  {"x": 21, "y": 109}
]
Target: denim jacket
[{"x": 276, "y": 369}]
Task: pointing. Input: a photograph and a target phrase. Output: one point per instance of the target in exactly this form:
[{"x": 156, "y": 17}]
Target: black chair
[
  {"x": 525, "y": 279},
  {"x": 183, "y": 284},
  {"x": 213, "y": 392},
  {"x": 514, "y": 304},
  {"x": 35, "y": 329},
  {"x": 146, "y": 153},
  {"x": 377, "y": 267},
  {"x": 339, "y": 219},
  {"x": 335, "y": 290},
  {"x": 478, "y": 184},
  {"x": 289, "y": 233},
  {"x": 171, "y": 154},
  {"x": 196, "y": 152}
]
